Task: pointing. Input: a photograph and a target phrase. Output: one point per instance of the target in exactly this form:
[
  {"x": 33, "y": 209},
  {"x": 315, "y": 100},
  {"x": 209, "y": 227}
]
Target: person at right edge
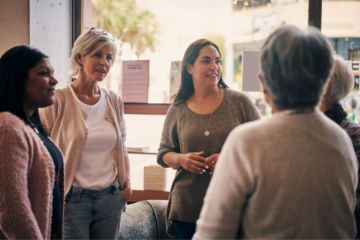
[
  {"x": 294, "y": 175},
  {"x": 204, "y": 112},
  {"x": 340, "y": 85}
]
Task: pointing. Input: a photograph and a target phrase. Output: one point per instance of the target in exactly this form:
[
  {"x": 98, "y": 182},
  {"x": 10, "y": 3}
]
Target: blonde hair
[
  {"x": 341, "y": 80},
  {"x": 84, "y": 45}
]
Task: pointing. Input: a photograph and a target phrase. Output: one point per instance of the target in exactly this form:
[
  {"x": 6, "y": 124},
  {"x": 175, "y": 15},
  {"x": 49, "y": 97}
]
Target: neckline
[
  {"x": 84, "y": 104},
  {"x": 216, "y": 110},
  {"x": 297, "y": 111}
]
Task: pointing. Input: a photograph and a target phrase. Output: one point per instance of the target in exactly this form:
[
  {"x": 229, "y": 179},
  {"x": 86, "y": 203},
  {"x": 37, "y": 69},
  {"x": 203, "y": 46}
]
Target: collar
[
  {"x": 297, "y": 111},
  {"x": 336, "y": 113}
]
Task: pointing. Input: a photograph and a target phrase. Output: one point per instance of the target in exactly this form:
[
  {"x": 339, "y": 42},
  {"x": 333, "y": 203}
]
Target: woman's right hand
[{"x": 193, "y": 162}]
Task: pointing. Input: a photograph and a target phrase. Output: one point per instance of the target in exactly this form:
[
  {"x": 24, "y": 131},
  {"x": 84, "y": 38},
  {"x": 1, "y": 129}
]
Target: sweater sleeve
[
  {"x": 248, "y": 109},
  {"x": 226, "y": 196},
  {"x": 169, "y": 139},
  {"x": 17, "y": 220}
]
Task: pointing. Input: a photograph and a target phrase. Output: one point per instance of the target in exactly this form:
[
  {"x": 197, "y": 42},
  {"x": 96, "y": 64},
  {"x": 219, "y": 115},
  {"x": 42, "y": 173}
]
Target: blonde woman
[
  {"x": 341, "y": 82},
  {"x": 87, "y": 123}
]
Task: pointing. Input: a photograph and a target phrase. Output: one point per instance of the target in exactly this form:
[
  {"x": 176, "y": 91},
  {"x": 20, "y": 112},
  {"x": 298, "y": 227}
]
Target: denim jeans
[{"x": 93, "y": 214}]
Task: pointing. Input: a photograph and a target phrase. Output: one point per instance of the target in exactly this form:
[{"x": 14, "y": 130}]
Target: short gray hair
[
  {"x": 295, "y": 66},
  {"x": 341, "y": 80},
  {"x": 84, "y": 45}
]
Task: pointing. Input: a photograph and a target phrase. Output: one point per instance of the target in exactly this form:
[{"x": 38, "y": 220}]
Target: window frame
[{"x": 146, "y": 108}]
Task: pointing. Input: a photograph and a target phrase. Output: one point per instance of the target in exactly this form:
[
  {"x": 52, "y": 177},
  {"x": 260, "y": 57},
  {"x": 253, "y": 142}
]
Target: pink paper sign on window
[{"x": 135, "y": 81}]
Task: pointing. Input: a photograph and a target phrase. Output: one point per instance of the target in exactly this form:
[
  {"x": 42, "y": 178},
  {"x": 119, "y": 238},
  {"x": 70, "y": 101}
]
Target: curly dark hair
[{"x": 14, "y": 67}]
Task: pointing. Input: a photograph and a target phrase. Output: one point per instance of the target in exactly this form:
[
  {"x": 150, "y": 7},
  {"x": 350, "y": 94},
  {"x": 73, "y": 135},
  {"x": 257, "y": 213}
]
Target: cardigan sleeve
[
  {"x": 48, "y": 116},
  {"x": 118, "y": 104},
  {"x": 17, "y": 220},
  {"x": 122, "y": 120},
  {"x": 249, "y": 110},
  {"x": 231, "y": 185},
  {"x": 169, "y": 139}
]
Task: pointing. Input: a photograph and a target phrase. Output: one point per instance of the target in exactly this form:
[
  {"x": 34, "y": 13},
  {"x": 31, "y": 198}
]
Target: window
[
  {"x": 340, "y": 23},
  {"x": 145, "y": 130},
  {"x": 354, "y": 53},
  {"x": 244, "y": 4},
  {"x": 172, "y": 27}
]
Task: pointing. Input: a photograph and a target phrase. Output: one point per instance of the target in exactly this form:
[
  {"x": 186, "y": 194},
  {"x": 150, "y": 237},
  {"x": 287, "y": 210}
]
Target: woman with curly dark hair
[{"x": 31, "y": 165}]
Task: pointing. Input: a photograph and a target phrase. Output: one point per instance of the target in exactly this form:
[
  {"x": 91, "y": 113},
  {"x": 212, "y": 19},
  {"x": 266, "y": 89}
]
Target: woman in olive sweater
[{"x": 195, "y": 129}]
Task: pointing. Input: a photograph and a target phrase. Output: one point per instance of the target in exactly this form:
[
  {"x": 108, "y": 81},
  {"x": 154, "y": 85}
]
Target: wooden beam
[
  {"x": 315, "y": 7},
  {"x": 76, "y": 20},
  {"x": 146, "y": 108},
  {"x": 138, "y": 195}
]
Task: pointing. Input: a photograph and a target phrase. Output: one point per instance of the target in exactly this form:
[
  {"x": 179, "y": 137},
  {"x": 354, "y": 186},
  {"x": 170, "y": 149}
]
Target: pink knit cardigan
[{"x": 26, "y": 182}]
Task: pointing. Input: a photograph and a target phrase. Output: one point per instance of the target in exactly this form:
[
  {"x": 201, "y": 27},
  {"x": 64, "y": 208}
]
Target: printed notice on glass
[
  {"x": 135, "y": 81},
  {"x": 175, "y": 77}
]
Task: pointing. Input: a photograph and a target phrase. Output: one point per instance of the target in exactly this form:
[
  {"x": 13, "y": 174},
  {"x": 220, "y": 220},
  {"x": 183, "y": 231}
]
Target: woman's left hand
[
  {"x": 126, "y": 193},
  {"x": 211, "y": 162}
]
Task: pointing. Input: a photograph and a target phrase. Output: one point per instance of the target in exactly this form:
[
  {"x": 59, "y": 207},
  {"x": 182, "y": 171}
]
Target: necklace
[
  {"x": 33, "y": 127},
  {"x": 207, "y": 133}
]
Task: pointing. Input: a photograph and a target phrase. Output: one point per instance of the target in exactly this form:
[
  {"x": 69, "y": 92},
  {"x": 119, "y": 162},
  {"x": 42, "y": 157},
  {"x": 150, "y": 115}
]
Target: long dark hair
[
  {"x": 14, "y": 68},
  {"x": 187, "y": 86}
]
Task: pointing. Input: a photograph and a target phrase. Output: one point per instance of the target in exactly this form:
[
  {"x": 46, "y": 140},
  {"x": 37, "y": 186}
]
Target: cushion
[{"x": 144, "y": 220}]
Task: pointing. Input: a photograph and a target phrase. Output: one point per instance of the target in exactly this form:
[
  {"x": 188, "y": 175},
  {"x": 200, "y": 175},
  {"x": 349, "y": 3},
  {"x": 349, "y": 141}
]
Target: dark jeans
[
  {"x": 93, "y": 214},
  {"x": 184, "y": 230}
]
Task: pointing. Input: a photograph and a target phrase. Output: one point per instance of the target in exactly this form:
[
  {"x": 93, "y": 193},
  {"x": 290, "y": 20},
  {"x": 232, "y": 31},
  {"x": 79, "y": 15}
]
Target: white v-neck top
[{"x": 96, "y": 170}]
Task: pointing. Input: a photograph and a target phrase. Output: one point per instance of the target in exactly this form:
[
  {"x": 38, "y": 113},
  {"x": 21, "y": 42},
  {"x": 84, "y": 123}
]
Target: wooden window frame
[
  {"x": 146, "y": 108},
  {"x": 76, "y": 19},
  {"x": 315, "y": 8}
]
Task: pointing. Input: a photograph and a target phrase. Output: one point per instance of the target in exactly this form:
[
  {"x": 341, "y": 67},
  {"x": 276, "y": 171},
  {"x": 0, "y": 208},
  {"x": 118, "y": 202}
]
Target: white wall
[
  {"x": 340, "y": 18},
  {"x": 14, "y": 24},
  {"x": 241, "y": 23},
  {"x": 50, "y": 32}
]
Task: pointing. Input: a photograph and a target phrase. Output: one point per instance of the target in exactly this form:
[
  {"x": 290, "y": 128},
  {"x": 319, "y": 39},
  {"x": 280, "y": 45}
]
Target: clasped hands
[{"x": 195, "y": 163}]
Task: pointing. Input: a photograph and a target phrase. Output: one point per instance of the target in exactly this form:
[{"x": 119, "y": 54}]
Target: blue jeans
[
  {"x": 184, "y": 230},
  {"x": 93, "y": 214}
]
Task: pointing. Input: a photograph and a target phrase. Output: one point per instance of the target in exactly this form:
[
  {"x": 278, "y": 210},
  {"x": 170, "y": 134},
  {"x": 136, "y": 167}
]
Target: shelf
[
  {"x": 146, "y": 108},
  {"x": 142, "y": 195},
  {"x": 146, "y": 153}
]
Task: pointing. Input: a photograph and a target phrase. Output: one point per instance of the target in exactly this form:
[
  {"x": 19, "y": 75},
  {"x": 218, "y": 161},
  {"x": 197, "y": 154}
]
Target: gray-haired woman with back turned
[
  {"x": 292, "y": 176},
  {"x": 87, "y": 123},
  {"x": 340, "y": 85}
]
